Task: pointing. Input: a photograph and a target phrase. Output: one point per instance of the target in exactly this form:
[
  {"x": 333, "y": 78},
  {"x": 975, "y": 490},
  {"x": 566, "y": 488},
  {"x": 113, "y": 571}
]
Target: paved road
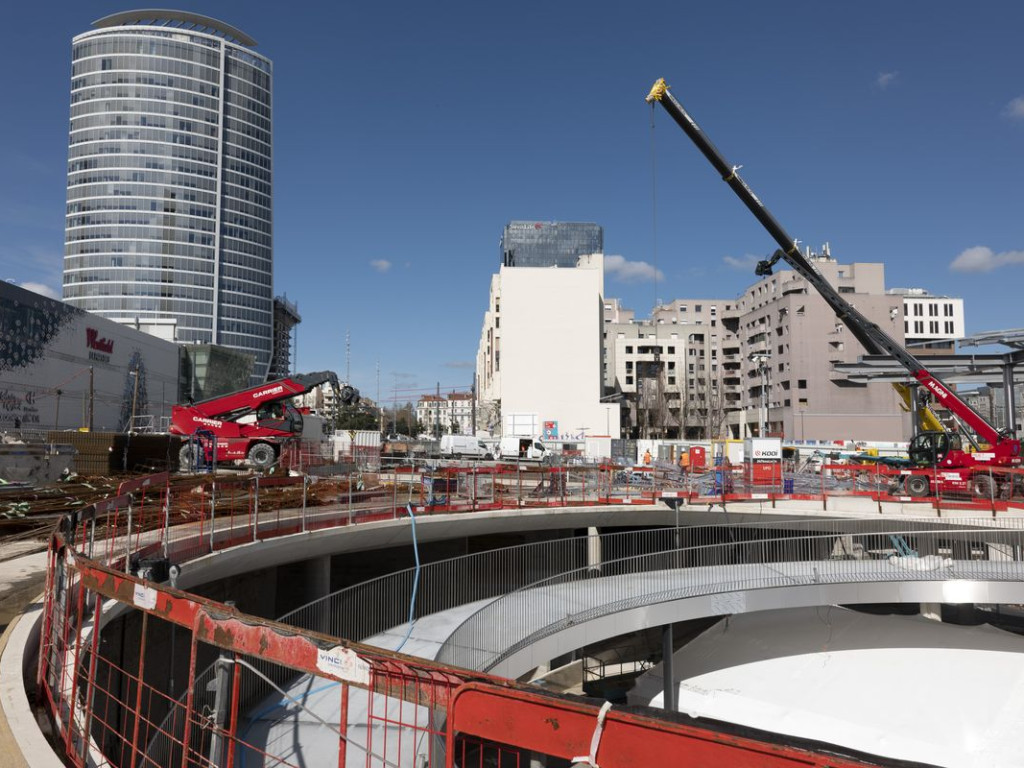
[{"x": 21, "y": 580}]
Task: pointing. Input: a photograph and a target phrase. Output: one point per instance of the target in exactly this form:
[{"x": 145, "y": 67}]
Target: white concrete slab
[{"x": 898, "y": 686}]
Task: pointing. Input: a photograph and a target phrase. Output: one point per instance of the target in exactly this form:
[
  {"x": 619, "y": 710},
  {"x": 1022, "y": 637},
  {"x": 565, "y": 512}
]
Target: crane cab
[
  {"x": 279, "y": 415},
  {"x": 929, "y": 449}
]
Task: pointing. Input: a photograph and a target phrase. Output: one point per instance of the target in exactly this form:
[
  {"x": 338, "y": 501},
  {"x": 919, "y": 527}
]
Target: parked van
[
  {"x": 464, "y": 446},
  {"x": 521, "y": 449}
]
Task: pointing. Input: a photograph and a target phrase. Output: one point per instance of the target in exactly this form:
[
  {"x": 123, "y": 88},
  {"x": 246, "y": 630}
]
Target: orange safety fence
[
  {"x": 122, "y": 675},
  {"x": 130, "y": 694}
]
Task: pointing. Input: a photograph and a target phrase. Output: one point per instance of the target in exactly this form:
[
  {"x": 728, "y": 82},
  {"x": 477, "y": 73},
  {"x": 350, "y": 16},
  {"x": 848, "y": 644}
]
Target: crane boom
[
  {"x": 253, "y": 423},
  {"x": 875, "y": 340}
]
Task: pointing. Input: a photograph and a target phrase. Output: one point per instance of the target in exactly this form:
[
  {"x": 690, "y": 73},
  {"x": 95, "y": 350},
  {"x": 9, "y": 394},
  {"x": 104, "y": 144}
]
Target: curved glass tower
[{"x": 169, "y": 179}]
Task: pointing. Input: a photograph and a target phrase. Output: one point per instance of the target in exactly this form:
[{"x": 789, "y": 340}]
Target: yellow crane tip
[{"x": 657, "y": 91}]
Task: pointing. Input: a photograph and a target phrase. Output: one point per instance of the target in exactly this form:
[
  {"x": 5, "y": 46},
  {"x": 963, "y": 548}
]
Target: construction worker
[
  {"x": 647, "y": 457},
  {"x": 684, "y": 461}
]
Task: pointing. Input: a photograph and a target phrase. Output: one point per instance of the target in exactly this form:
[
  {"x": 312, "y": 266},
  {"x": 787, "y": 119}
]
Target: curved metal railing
[
  {"x": 546, "y": 606},
  {"x": 372, "y": 607}
]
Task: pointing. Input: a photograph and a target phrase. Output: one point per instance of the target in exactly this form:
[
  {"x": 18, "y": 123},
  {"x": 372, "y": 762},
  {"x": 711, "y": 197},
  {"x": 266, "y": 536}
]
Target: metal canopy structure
[
  {"x": 955, "y": 369},
  {"x": 999, "y": 369},
  {"x": 1012, "y": 338}
]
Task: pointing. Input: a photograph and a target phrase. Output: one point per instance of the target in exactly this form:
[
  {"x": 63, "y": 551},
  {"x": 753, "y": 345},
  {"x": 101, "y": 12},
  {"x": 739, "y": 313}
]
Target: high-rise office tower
[
  {"x": 549, "y": 243},
  {"x": 169, "y": 179}
]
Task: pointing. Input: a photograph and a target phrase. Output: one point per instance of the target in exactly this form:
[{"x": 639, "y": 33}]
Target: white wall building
[
  {"x": 540, "y": 351},
  {"x": 930, "y": 319}
]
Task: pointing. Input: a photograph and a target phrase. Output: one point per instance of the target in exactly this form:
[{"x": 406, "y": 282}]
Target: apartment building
[
  {"x": 671, "y": 369},
  {"x": 762, "y": 363},
  {"x": 931, "y": 324},
  {"x": 446, "y": 414},
  {"x": 789, "y": 341}
]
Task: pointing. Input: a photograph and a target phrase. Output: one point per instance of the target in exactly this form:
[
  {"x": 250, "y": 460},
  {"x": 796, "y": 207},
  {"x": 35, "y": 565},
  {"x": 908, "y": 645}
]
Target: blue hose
[
  {"x": 415, "y": 579},
  {"x": 412, "y": 608}
]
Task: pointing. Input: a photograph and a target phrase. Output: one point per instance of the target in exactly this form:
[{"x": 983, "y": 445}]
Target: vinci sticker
[
  {"x": 344, "y": 664},
  {"x": 144, "y": 597}
]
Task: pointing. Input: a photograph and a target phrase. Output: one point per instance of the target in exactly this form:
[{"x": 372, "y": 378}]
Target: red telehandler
[
  {"x": 251, "y": 424},
  {"x": 953, "y": 468}
]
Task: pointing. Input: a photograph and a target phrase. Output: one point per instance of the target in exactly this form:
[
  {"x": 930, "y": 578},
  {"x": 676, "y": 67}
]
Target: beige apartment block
[
  {"x": 450, "y": 413},
  {"x": 783, "y": 325},
  {"x": 763, "y": 362},
  {"x": 671, "y": 369}
]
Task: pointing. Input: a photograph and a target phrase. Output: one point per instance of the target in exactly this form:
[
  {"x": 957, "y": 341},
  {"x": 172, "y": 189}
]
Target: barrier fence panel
[{"x": 140, "y": 695}]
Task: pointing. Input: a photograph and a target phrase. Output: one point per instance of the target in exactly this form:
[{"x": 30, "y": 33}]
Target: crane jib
[{"x": 869, "y": 334}]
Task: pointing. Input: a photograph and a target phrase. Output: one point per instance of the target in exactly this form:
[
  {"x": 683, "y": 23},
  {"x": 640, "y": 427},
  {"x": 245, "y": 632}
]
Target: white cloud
[
  {"x": 982, "y": 259},
  {"x": 381, "y": 265},
  {"x": 631, "y": 271},
  {"x": 747, "y": 262},
  {"x": 885, "y": 79},
  {"x": 1015, "y": 108},
  {"x": 39, "y": 288}
]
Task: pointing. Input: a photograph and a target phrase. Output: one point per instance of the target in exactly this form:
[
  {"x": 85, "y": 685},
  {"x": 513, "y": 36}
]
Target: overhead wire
[{"x": 654, "y": 208}]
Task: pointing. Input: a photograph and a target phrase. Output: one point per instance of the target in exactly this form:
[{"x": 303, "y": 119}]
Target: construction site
[{"x": 243, "y": 586}]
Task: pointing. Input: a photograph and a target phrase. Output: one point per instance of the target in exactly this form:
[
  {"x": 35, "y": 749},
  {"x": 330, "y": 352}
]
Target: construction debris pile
[{"x": 32, "y": 512}]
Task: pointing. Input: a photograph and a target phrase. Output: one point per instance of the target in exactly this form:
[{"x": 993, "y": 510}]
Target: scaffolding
[{"x": 286, "y": 318}]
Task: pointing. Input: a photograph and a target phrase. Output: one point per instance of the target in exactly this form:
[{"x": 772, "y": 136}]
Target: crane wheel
[
  {"x": 187, "y": 458},
  {"x": 917, "y": 485},
  {"x": 982, "y": 487},
  {"x": 262, "y": 456}
]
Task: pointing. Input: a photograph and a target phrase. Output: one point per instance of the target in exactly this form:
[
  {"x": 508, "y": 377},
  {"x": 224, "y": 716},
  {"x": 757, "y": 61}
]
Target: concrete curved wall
[
  {"x": 747, "y": 601},
  {"x": 280, "y": 551}
]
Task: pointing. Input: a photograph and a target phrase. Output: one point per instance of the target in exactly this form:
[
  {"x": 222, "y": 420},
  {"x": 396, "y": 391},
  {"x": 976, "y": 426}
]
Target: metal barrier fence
[
  {"x": 116, "y": 700},
  {"x": 927, "y": 550},
  {"x": 113, "y": 644},
  {"x": 454, "y": 487},
  {"x": 375, "y": 606},
  {"x": 985, "y": 488}
]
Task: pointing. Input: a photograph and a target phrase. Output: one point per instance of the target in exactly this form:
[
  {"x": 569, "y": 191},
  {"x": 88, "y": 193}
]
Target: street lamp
[{"x": 763, "y": 362}]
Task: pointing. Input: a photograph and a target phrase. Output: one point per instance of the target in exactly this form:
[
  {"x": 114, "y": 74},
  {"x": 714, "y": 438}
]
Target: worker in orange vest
[{"x": 647, "y": 457}]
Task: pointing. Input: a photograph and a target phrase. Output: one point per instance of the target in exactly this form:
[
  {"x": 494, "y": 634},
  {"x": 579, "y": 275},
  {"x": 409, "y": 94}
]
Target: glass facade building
[
  {"x": 549, "y": 243},
  {"x": 169, "y": 179}
]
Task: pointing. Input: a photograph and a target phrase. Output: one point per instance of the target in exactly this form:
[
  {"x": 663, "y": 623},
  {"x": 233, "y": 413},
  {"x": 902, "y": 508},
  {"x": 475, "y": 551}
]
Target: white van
[
  {"x": 521, "y": 449},
  {"x": 464, "y": 446}
]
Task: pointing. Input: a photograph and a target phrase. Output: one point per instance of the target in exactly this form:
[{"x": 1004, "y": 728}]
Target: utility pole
[
  {"x": 472, "y": 408},
  {"x": 92, "y": 398},
  {"x": 437, "y": 413},
  {"x": 135, "y": 398},
  {"x": 394, "y": 407},
  {"x": 380, "y": 406}
]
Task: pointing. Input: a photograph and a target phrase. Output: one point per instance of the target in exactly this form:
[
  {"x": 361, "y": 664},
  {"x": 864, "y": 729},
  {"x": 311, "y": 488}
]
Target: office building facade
[
  {"x": 549, "y": 243},
  {"x": 170, "y": 180}
]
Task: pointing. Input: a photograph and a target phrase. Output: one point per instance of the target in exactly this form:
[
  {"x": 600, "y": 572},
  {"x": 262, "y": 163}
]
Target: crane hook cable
[{"x": 654, "y": 209}]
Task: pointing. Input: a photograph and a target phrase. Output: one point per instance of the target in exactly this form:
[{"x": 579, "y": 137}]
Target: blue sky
[{"x": 408, "y": 134}]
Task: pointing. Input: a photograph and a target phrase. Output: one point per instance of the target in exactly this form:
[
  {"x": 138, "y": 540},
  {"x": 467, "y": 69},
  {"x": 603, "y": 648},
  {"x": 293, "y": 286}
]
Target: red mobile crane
[
  {"x": 253, "y": 423},
  {"x": 939, "y": 450}
]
